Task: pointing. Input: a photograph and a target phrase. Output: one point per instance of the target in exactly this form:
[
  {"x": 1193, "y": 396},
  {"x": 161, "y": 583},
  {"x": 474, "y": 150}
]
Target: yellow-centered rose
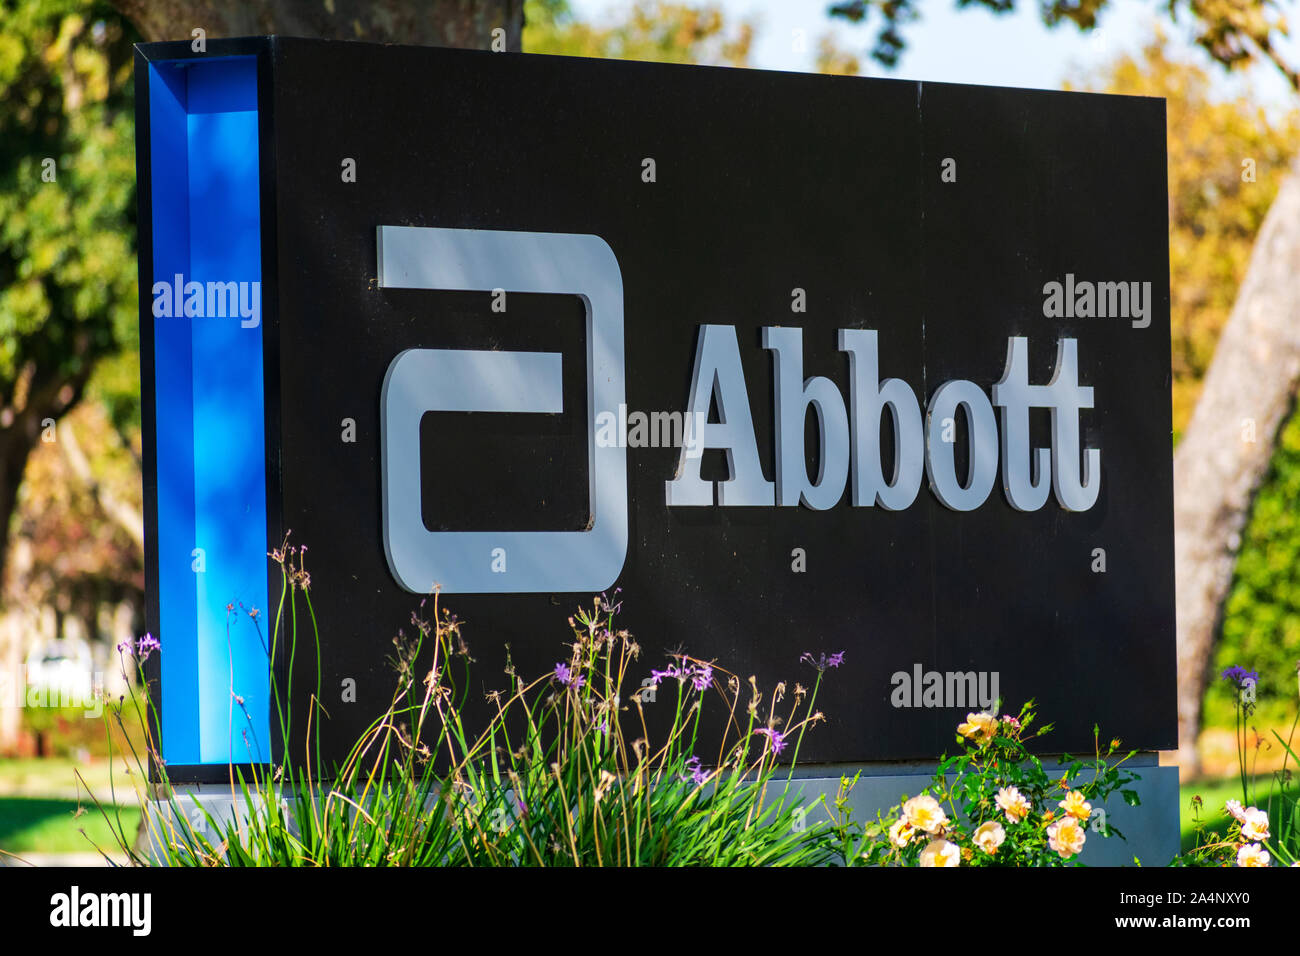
[
  {"x": 989, "y": 836},
  {"x": 980, "y": 727},
  {"x": 1254, "y": 825},
  {"x": 1076, "y": 806},
  {"x": 901, "y": 833},
  {"x": 1252, "y": 854},
  {"x": 924, "y": 813},
  {"x": 1013, "y": 803},
  {"x": 940, "y": 853},
  {"x": 1066, "y": 837}
]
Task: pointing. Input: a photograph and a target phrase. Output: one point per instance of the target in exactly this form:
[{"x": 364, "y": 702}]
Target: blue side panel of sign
[{"x": 212, "y": 529}]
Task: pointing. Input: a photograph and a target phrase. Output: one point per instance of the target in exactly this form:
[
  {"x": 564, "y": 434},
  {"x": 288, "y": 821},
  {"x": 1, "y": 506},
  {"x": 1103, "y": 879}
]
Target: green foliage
[
  {"x": 115, "y": 386},
  {"x": 67, "y": 263},
  {"x": 1003, "y": 809},
  {"x": 564, "y": 773},
  {"x": 1261, "y": 625}
]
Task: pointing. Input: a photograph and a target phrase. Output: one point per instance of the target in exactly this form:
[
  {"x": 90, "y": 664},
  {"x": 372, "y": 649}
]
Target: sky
[{"x": 973, "y": 45}]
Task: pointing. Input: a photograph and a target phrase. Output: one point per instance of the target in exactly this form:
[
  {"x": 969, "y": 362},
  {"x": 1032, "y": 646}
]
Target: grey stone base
[{"x": 1151, "y": 829}]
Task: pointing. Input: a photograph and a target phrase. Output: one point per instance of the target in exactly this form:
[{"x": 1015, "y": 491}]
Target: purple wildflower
[
  {"x": 1239, "y": 676},
  {"x": 565, "y": 675},
  {"x": 657, "y": 676},
  {"x": 700, "y": 675},
  {"x": 141, "y": 648},
  {"x": 823, "y": 662},
  {"x": 775, "y": 739},
  {"x": 611, "y": 606},
  {"x": 698, "y": 775},
  {"x": 703, "y": 677}
]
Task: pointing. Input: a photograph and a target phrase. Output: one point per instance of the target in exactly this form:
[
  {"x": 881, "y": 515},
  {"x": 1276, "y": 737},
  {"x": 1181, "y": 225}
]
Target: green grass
[
  {"x": 37, "y": 806},
  {"x": 44, "y": 825}
]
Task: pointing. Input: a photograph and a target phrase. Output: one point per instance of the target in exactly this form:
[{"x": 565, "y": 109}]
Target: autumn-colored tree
[
  {"x": 834, "y": 60},
  {"x": 1232, "y": 32},
  {"x": 1227, "y": 158},
  {"x": 664, "y": 32},
  {"x": 652, "y": 30}
]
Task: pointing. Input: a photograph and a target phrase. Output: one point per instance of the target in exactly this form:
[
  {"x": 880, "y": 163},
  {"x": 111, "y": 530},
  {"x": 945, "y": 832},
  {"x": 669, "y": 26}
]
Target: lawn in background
[
  {"x": 47, "y": 825},
  {"x": 39, "y": 801}
]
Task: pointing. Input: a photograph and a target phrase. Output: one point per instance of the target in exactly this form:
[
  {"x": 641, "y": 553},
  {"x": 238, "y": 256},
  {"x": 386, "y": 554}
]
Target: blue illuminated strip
[{"x": 212, "y": 527}]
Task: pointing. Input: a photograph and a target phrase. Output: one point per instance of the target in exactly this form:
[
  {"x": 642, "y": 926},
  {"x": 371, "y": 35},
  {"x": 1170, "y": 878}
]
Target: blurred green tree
[
  {"x": 1261, "y": 624},
  {"x": 67, "y": 218}
]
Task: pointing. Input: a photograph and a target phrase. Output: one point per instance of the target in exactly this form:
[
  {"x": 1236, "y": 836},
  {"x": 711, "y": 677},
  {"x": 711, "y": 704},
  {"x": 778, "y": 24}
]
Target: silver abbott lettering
[{"x": 848, "y": 443}]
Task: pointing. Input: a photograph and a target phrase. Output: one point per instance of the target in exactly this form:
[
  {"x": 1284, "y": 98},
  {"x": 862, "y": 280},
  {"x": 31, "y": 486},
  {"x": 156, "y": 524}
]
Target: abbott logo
[{"x": 425, "y": 380}]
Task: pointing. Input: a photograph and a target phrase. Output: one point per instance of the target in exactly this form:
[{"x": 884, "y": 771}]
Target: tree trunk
[
  {"x": 13, "y": 640},
  {"x": 1226, "y": 450},
  {"x": 454, "y": 23},
  {"x": 35, "y": 404}
]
